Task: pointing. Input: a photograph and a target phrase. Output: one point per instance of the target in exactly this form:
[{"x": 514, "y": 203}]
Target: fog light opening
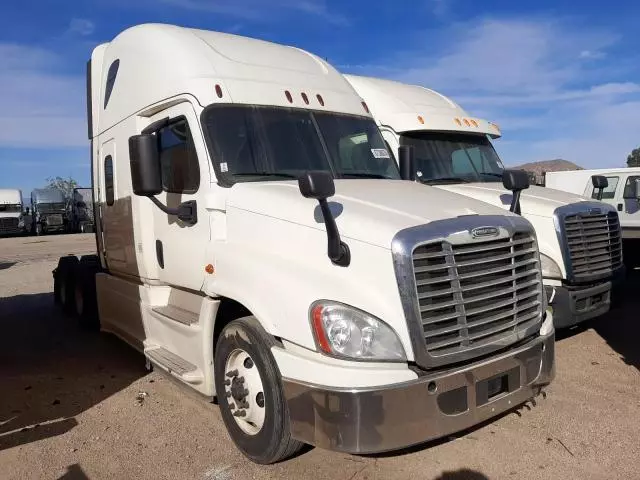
[{"x": 432, "y": 387}]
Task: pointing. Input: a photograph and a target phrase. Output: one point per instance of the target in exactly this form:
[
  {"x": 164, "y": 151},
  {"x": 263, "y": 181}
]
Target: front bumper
[
  {"x": 574, "y": 304},
  {"x": 370, "y": 420}
]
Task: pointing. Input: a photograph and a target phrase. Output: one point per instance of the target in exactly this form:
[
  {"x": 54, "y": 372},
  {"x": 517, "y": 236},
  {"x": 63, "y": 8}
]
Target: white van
[
  {"x": 11, "y": 215},
  {"x": 453, "y": 152},
  {"x": 621, "y": 192},
  {"x": 255, "y": 241}
]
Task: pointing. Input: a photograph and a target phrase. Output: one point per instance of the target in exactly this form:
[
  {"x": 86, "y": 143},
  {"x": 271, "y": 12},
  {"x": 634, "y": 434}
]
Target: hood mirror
[
  {"x": 516, "y": 181},
  {"x": 406, "y": 162},
  {"x": 599, "y": 183},
  {"x": 319, "y": 186}
]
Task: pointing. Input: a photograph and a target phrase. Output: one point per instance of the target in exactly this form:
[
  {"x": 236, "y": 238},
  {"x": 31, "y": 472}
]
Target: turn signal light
[
  {"x": 420, "y": 119},
  {"x": 209, "y": 269}
]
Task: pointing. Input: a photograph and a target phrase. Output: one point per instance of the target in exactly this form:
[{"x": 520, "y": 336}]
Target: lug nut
[
  {"x": 232, "y": 373},
  {"x": 227, "y": 394},
  {"x": 232, "y": 406},
  {"x": 227, "y": 382},
  {"x": 240, "y": 413}
]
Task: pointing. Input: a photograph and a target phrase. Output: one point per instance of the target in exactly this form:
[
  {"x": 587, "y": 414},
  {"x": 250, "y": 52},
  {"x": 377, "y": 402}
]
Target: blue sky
[{"x": 560, "y": 77}]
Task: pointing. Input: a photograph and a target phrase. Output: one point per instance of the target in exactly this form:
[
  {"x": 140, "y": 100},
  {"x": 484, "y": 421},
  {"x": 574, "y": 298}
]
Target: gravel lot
[{"x": 68, "y": 405}]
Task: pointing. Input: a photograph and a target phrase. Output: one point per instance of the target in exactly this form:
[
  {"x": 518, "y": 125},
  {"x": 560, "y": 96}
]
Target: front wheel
[{"x": 250, "y": 395}]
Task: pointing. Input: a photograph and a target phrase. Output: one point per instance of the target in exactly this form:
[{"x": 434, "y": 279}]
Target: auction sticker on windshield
[{"x": 380, "y": 153}]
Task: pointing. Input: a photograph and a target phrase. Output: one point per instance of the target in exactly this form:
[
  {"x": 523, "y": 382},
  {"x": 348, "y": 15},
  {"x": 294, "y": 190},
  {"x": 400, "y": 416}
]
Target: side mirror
[
  {"x": 319, "y": 186},
  {"x": 144, "y": 159},
  {"x": 406, "y": 162},
  {"x": 599, "y": 182},
  {"x": 516, "y": 181}
]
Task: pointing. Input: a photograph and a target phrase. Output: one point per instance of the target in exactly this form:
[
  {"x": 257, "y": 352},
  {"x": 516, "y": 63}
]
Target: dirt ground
[{"x": 68, "y": 407}]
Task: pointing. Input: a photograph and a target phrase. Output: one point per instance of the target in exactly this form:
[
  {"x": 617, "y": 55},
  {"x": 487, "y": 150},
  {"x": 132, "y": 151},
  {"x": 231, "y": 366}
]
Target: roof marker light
[
  {"x": 474, "y": 123},
  {"x": 466, "y": 122},
  {"x": 420, "y": 119},
  {"x": 320, "y": 100},
  {"x": 366, "y": 109},
  {"x": 305, "y": 99},
  {"x": 219, "y": 91},
  {"x": 287, "y": 94},
  {"x": 458, "y": 121}
]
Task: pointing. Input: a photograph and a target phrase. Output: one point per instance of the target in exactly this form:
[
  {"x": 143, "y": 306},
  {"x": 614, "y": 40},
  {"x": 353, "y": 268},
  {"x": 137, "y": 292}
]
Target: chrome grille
[
  {"x": 9, "y": 224},
  {"x": 476, "y": 294},
  {"x": 54, "y": 220},
  {"x": 594, "y": 243}
]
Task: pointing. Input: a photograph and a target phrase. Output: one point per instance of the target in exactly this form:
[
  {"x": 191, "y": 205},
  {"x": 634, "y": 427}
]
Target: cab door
[
  {"x": 629, "y": 208},
  {"x": 180, "y": 246}
]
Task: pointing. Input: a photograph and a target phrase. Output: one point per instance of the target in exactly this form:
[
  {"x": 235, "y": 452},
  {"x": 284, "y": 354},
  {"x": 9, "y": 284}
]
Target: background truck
[
  {"x": 80, "y": 211},
  {"x": 622, "y": 192},
  {"x": 579, "y": 240},
  {"x": 11, "y": 212},
  {"x": 256, "y": 242},
  {"x": 48, "y": 211}
]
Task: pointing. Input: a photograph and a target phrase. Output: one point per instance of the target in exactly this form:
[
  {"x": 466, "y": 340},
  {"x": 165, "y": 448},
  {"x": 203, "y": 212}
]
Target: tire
[
  {"x": 64, "y": 283},
  {"x": 85, "y": 302},
  {"x": 271, "y": 442},
  {"x": 38, "y": 230}
]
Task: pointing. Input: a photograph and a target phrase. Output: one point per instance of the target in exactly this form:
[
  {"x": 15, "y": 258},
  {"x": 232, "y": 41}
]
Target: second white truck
[
  {"x": 579, "y": 240},
  {"x": 11, "y": 214}
]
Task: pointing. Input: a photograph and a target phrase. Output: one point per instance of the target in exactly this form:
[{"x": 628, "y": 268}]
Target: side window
[
  {"x": 178, "y": 159},
  {"x": 108, "y": 179},
  {"x": 628, "y": 193},
  {"x": 111, "y": 80},
  {"x": 609, "y": 192}
]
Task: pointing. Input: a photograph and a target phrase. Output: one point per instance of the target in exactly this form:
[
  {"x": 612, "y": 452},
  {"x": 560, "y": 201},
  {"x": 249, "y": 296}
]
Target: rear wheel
[
  {"x": 64, "y": 283},
  {"x": 250, "y": 394},
  {"x": 85, "y": 296}
]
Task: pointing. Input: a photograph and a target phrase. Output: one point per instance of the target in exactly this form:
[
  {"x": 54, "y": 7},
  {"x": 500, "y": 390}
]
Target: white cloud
[
  {"x": 81, "y": 26},
  {"x": 39, "y": 108},
  {"x": 259, "y": 10},
  {"x": 532, "y": 77}
]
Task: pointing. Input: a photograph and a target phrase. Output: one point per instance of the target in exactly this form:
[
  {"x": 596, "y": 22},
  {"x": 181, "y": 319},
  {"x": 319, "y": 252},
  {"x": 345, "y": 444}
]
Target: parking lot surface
[{"x": 78, "y": 405}]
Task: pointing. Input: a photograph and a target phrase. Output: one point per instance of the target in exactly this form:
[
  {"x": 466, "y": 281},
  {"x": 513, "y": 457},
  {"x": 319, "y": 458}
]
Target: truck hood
[
  {"x": 535, "y": 200},
  {"x": 371, "y": 211},
  {"x": 10, "y": 214}
]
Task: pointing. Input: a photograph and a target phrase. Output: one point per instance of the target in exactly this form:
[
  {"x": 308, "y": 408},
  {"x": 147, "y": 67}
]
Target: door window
[
  {"x": 628, "y": 192},
  {"x": 108, "y": 179},
  {"x": 609, "y": 192},
  {"x": 178, "y": 158}
]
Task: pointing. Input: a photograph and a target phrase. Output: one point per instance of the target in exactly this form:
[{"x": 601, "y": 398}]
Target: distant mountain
[{"x": 557, "y": 165}]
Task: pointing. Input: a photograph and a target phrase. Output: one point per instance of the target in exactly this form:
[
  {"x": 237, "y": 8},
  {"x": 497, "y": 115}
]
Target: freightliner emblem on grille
[{"x": 483, "y": 232}]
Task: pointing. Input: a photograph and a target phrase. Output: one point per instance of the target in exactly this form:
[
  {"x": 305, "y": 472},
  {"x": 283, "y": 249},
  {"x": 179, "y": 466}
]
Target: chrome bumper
[{"x": 369, "y": 420}]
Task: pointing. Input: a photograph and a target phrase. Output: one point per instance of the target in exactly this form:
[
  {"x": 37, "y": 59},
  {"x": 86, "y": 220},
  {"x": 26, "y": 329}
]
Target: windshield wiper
[
  {"x": 491, "y": 174},
  {"x": 265, "y": 174},
  {"x": 444, "y": 180},
  {"x": 365, "y": 175}
]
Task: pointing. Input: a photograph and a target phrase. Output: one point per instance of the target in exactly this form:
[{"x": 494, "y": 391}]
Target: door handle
[{"x": 619, "y": 207}]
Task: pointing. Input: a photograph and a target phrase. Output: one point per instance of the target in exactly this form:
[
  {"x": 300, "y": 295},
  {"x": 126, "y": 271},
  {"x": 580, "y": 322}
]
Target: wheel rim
[
  {"x": 79, "y": 300},
  {"x": 244, "y": 391}
]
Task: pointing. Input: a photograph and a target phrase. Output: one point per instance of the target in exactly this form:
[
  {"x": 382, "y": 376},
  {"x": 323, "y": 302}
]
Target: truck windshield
[
  {"x": 252, "y": 143},
  {"x": 453, "y": 157},
  {"x": 51, "y": 207},
  {"x": 10, "y": 207}
]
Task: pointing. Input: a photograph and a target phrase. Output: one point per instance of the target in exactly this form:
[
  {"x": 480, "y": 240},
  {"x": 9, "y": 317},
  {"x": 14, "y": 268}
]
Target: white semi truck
[
  {"x": 579, "y": 240},
  {"x": 11, "y": 212},
  {"x": 255, "y": 241}
]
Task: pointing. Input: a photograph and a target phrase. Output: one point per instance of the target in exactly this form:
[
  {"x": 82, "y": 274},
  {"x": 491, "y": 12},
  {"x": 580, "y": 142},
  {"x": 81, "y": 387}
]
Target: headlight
[
  {"x": 550, "y": 269},
  {"x": 344, "y": 331}
]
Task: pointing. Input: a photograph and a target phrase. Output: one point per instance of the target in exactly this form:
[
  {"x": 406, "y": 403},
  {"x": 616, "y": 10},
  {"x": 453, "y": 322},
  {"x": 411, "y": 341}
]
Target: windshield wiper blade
[
  {"x": 365, "y": 175},
  {"x": 265, "y": 174},
  {"x": 491, "y": 174},
  {"x": 444, "y": 179}
]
